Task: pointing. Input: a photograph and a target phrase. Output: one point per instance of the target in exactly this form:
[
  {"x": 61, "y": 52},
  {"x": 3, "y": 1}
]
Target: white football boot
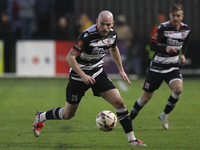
[
  {"x": 164, "y": 120},
  {"x": 136, "y": 143},
  {"x": 37, "y": 125}
]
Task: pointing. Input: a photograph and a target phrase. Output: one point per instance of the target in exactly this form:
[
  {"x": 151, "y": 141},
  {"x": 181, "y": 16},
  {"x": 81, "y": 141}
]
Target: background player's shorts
[
  {"x": 154, "y": 79},
  {"x": 76, "y": 89}
]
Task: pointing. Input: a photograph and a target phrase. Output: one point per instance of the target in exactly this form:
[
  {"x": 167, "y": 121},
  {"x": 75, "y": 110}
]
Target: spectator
[
  {"x": 3, "y": 5},
  {"x": 61, "y": 30},
  {"x": 63, "y": 7},
  {"x": 66, "y": 8},
  {"x": 5, "y": 27},
  {"x": 83, "y": 23},
  {"x": 43, "y": 11},
  {"x": 134, "y": 58},
  {"x": 124, "y": 38},
  {"x": 160, "y": 19},
  {"x": 123, "y": 31},
  {"x": 13, "y": 13},
  {"x": 26, "y": 14}
]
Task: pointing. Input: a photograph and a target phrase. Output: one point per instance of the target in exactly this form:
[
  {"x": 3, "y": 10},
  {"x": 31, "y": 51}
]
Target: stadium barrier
[{"x": 47, "y": 58}]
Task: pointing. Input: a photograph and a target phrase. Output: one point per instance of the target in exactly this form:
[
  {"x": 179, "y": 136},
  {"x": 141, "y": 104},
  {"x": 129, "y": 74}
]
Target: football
[{"x": 106, "y": 120}]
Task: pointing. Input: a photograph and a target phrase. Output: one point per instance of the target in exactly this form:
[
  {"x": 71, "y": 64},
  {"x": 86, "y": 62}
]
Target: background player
[{"x": 167, "y": 42}]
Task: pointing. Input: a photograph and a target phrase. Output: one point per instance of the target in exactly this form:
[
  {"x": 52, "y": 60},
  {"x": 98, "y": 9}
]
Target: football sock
[
  {"x": 171, "y": 103},
  {"x": 43, "y": 117},
  {"x": 136, "y": 108},
  {"x": 131, "y": 136},
  {"x": 124, "y": 119},
  {"x": 54, "y": 114}
]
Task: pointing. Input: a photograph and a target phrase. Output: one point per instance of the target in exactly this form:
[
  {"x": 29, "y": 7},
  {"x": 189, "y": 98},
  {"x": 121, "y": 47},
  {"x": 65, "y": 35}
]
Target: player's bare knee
[
  {"x": 146, "y": 96},
  {"x": 145, "y": 99},
  {"x": 119, "y": 104},
  {"x": 177, "y": 90}
]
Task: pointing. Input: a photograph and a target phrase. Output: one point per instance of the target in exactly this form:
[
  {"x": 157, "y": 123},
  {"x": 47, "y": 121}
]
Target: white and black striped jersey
[
  {"x": 166, "y": 35},
  {"x": 92, "y": 49}
]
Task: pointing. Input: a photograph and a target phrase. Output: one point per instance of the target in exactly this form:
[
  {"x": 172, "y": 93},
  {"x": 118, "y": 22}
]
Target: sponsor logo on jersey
[
  {"x": 170, "y": 41},
  {"x": 98, "y": 50}
]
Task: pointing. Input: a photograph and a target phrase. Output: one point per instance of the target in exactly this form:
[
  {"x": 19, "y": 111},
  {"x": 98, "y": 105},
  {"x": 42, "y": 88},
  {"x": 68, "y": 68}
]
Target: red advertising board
[{"x": 62, "y": 49}]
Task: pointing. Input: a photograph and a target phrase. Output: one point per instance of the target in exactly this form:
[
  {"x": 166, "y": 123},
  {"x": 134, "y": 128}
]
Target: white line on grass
[{"x": 122, "y": 86}]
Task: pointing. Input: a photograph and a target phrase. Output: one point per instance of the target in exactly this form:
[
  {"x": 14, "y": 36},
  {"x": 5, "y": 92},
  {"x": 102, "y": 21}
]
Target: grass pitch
[{"x": 20, "y": 98}]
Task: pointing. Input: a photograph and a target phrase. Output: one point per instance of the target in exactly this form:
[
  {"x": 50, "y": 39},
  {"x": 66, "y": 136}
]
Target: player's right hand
[
  {"x": 171, "y": 50},
  {"x": 88, "y": 80}
]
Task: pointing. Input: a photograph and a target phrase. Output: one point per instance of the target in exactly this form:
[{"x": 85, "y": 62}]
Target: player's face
[
  {"x": 176, "y": 17},
  {"x": 104, "y": 26}
]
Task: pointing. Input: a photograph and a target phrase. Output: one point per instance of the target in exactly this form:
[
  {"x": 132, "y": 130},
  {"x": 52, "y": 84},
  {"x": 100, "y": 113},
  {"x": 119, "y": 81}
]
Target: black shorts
[
  {"x": 76, "y": 89},
  {"x": 154, "y": 79}
]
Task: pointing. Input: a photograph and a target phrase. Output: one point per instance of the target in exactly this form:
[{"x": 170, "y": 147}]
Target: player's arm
[
  {"x": 184, "y": 48},
  {"x": 162, "y": 49},
  {"x": 183, "y": 59},
  {"x": 71, "y": 59},
  {"x": 156, "y": 38},
  {"x": 114, "y": 51}
]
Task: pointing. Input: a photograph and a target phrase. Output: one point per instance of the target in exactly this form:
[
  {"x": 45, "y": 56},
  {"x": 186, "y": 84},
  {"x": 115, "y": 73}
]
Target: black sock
[
  {"x": 135, "y": 110},
  {"x": 125, "y": 121},
  {"x": 53, "y": 114},
  {"x": 171, "y": 103}
]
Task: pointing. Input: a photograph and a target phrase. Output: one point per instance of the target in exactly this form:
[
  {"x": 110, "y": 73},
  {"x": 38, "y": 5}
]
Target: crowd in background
[
  {"x": 35, "y": 19},
  {"x": 52, "y": 19}
]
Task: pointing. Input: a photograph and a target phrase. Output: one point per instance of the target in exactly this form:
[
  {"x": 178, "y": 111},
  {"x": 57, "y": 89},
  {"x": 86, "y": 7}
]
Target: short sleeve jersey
[
  {"x": 166, "y": 35},
  {"x": 92, "y": 49}
]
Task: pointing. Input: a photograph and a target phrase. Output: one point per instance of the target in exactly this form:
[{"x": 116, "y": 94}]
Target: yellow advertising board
[{"x": 1, "y": 57}]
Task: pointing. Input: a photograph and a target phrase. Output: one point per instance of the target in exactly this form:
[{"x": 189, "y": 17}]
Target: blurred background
[{"x": 36, "y": 35}]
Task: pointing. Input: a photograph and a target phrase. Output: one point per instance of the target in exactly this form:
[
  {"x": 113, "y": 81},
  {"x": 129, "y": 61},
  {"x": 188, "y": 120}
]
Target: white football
[{"x": 106, "y": 120}]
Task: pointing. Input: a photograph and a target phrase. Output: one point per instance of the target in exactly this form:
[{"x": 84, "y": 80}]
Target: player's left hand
[
  {"x": 125, "y": 77},
  {"x": 183, "y": 59}
]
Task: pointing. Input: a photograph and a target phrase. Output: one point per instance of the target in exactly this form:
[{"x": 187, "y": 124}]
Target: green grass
[{"x": 21, "y": 98}]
